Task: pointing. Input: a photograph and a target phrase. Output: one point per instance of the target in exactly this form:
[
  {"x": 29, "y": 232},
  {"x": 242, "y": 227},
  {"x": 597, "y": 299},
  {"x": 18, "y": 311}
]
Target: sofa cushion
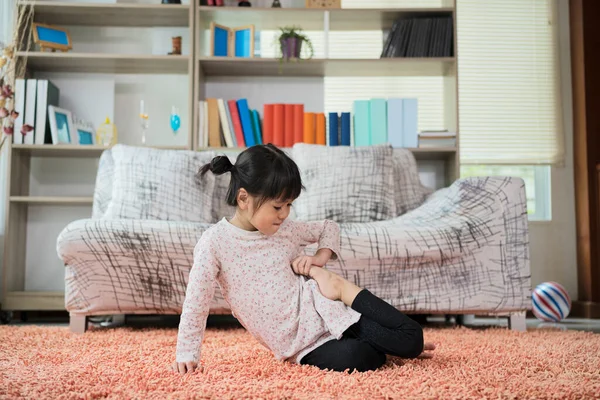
[
  {"x": 160, "y": 185},
  {"x": 345, "y": 184}
]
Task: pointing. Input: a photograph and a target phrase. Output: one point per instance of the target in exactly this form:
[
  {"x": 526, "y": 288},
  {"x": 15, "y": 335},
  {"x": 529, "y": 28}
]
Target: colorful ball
[{"x": 551, "y": 302}]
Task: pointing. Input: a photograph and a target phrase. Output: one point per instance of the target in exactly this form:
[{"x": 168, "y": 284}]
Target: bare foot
[{"x": 329, "y": 283}]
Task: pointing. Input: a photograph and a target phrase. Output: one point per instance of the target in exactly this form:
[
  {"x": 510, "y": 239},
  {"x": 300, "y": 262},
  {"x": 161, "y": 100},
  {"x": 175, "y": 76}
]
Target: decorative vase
[
  {"x": 276, "y": 4},
  {"x": 290, "y": 47},
  {"x": 244, "y": 4}
]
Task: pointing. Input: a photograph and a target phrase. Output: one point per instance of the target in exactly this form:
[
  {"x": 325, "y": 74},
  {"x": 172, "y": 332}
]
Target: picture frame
[
  {"x": 231, "y": 42},
  {"x": 85, "y": 135},
  {"x": 62, "y": 128},
  {"x": 51, "y": 37},
  {"x": 243, "y": 41},
  {"x": 220, "y": 40}
]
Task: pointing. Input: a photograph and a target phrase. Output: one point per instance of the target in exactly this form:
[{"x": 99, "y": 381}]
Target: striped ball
[{"x": 551, "y": 302}]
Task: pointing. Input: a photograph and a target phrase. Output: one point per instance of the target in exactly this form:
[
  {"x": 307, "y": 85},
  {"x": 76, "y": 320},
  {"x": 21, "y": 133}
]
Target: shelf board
[
  {"x": 106, "y": 63},
  {"x": 116, "y": 14},
  {"x": 52, "y": 200},
  {"x": 355, "y": 19},
  {"x": 72, "y": 151},
  {"x": 262, "y": 18},
  {"x": 230, "y": 66},
  {"x": 23, "y": 301},
  {"x": 312, "y": 18},
  {"x": 434, "y": 153}
]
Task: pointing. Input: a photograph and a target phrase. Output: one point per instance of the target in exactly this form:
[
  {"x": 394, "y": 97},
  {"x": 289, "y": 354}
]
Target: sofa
[{"x": 462, "y": 249}]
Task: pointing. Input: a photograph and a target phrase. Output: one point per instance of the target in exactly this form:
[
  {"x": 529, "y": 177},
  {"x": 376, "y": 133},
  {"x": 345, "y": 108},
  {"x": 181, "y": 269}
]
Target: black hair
[{"x": 265, "y": 171}]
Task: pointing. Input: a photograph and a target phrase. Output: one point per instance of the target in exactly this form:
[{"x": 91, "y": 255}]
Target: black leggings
[{"x": 381, "y": 330}]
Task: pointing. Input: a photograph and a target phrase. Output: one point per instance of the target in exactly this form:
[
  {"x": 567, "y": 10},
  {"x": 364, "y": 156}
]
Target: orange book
[
  {"x": 268, "y": 114},
  {"x": 214, "y": 123},
  {"x": 288, "y": 112},
  {"x": 298, "y": 123},
  {"x": 320, "y": 128},
  {"x": 278, "y": 125},
  {"x": 309, "y": 128}
]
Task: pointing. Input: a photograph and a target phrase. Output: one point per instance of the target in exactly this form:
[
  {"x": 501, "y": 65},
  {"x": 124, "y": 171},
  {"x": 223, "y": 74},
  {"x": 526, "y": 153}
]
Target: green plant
[{"x": 295, "y": 32}]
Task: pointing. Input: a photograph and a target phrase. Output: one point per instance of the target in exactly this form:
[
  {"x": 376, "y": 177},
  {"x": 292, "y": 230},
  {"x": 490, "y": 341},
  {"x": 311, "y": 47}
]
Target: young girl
[{"x": 256, "y": 256}]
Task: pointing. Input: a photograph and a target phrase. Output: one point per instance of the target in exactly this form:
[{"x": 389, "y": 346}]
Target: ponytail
[{"x": 218, "y": 166}]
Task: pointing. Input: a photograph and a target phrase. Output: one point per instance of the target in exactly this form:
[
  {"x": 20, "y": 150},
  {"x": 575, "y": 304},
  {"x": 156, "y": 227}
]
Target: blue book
[
  {"x": 410, "y": 123},
  {"x": 378, "y": 120},
  {"x": 345, "y": 139},
  {"x": 362, "y": 125},
  {"x": 256, "y": 125},
  {"x": 246, "y": 120},
  {"x": 333, "y": 130},
  {"x": 395, "y": 122}
]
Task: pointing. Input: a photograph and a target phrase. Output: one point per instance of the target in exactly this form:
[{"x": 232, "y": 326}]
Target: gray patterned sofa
[{"x": 463, "y": 249}]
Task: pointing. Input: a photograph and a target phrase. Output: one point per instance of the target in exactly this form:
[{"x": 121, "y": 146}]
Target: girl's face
[{"x": 269, "y": 217}]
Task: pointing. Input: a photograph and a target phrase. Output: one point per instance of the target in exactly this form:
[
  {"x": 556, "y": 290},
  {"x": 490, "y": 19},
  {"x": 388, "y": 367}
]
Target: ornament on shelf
[
  {"x": 244, "y": 4},
  {"x": 176, "y": 42},
  {"x": 170, "y": 2},
  {"x": 144, "y": 123},
  {"x": 175, "y": 120},
  {"x": 323, "y": 3},
  {"x": 106, "y": 134},
  {"x": 276, "y": 4}
]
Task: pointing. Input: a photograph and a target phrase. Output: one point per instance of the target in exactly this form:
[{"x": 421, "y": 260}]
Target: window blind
[{"x": 508, "y": 78}]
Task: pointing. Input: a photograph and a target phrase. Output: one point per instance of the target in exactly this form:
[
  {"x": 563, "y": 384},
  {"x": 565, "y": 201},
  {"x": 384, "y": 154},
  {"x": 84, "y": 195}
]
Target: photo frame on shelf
[
  {"x": 220, "y": 40},
  {"x": 85, "y": 134},
  {"x": 51, "y": 37},
  {"x": 62, "y": 128},
  {"x": 243, "y": 41},
  {"x": 231, "y": 42}
]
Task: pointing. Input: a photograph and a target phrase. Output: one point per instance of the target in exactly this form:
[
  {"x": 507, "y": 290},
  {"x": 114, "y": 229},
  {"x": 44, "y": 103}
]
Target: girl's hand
[
  {"x": 302, "y": 265},
  {"x": 186, "y": 367}
]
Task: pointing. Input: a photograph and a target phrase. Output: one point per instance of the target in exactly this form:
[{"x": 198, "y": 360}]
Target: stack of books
[
  {"x": 431, "y": 139},
  {"x": 420, "y": 37}
]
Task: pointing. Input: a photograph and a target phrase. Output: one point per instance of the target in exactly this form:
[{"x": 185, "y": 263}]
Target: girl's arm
[
  {"x": 326, "y": 233},
  {"x": 199, "y": 294}
]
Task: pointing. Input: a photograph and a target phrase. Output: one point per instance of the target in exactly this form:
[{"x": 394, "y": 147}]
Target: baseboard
[{"x": 585, "y": 309}]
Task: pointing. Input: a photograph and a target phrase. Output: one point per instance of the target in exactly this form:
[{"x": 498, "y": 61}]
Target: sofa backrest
[{"x": 209, "y": 193}]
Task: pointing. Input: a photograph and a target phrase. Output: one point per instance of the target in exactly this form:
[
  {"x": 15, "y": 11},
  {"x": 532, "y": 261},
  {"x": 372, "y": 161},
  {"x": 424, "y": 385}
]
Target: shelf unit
[{"x": 198, "y": 67}]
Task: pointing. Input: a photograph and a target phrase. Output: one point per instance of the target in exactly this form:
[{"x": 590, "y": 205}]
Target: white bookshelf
[{"x": 200, "y": 69}]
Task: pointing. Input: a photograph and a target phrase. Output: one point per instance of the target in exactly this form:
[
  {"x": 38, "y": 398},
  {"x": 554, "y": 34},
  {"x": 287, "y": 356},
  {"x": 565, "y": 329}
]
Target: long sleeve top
[{"x": 285, "y": 312}]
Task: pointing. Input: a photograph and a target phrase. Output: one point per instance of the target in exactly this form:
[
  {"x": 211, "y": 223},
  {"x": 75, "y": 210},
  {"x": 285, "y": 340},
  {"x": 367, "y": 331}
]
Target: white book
[
  {"x": 205, "y": 144},
  {"x": 20, "y": 108},
  {"x": 201, "y": 118},
  {"x": 224, "y": 124},
  {"x": 30, "y": 103}
]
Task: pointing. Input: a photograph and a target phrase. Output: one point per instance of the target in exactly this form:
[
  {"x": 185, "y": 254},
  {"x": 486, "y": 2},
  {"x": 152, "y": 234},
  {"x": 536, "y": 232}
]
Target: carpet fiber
[{"x": 51, "y": 363}]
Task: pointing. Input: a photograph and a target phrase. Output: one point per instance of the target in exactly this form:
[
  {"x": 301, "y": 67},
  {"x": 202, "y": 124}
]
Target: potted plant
[{"x": 290, "y": 41}]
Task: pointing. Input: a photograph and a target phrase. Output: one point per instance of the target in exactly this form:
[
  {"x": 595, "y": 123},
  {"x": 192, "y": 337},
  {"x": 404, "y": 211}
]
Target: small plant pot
[{"x": 290, "y": 47}]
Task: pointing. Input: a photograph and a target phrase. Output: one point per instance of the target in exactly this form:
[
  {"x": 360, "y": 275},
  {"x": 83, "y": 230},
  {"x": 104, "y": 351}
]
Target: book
[
  {"x": 288, "y": 120},
  {"x": 278, "y": 125},
  {"x": 395, "y": 113},
  {"x": 345, "y": 129},
  {"x": 378, "y": 121},
  {"x": 298, "y": 123},
  {"x": 320, "y": 128},
  {"x": 268, "y": 111},
  {"x": 309, "y": 128},
  {"x": 246, "y": 120},
  {"x": 237, "y": 123},
  {"x": 47, "y": 95},
  {"x": 409, "y": 123},
  {"x": 334, "y": 133},
  {"x": 362, "y": 124}
]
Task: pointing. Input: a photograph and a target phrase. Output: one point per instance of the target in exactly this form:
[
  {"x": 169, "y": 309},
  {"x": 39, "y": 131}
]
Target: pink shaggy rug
[{"x": 51, "y": 363}]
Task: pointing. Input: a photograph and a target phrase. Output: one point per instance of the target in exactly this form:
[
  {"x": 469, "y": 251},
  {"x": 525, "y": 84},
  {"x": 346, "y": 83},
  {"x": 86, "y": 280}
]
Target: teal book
[
  {"x": 378, "y": 121},
  {"x": 257, "y": 128},
  {"x": 362, "y": 125}
]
